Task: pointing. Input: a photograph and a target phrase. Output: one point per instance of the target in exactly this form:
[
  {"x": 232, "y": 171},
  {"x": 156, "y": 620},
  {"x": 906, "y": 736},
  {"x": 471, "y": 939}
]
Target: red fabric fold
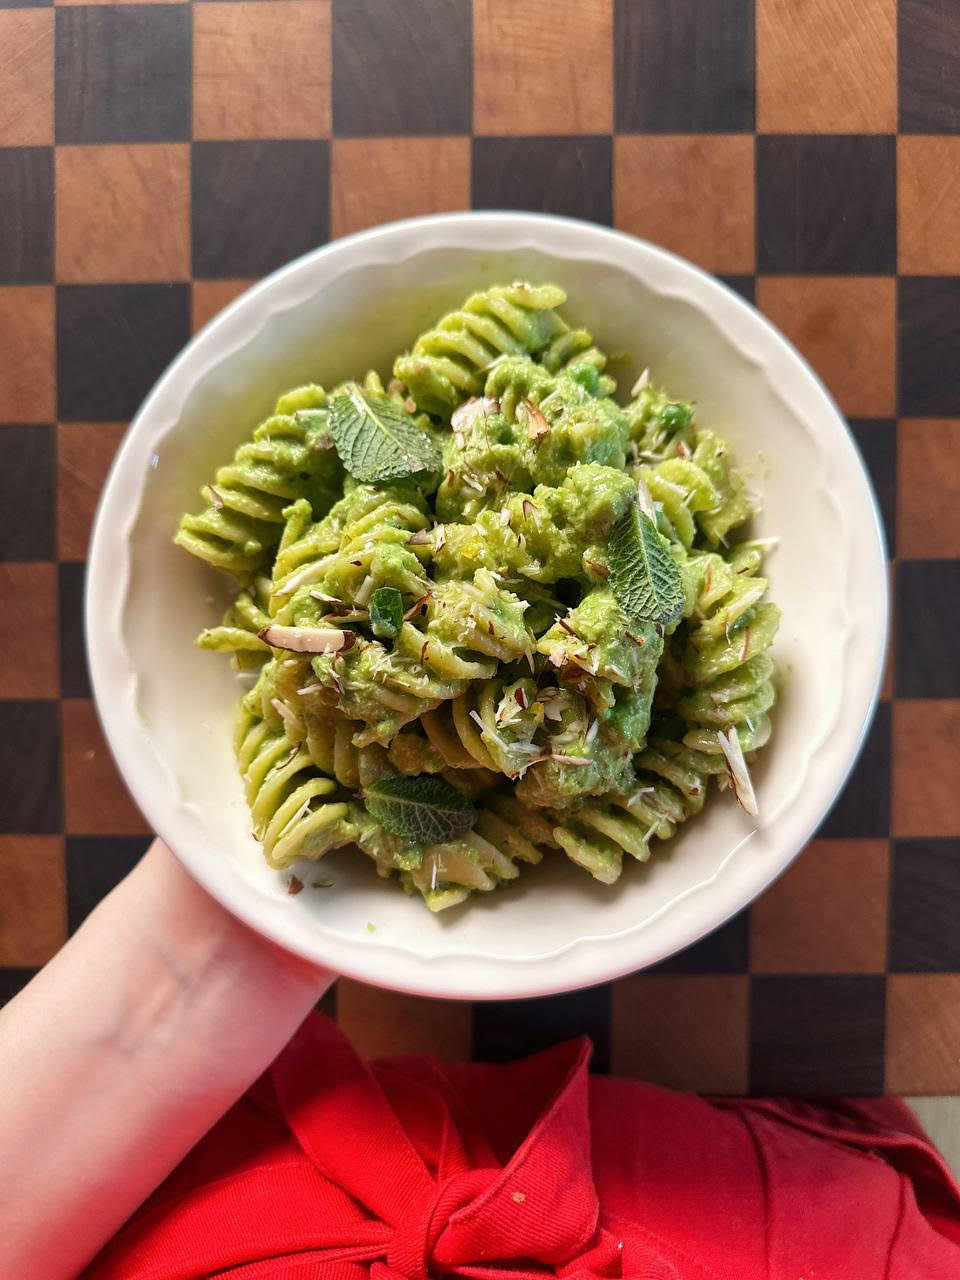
[{"x": 330, "y": 1169}]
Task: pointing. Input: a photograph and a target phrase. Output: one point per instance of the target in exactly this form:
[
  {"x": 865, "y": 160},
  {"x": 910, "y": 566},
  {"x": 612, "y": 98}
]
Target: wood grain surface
[{"x": 157, "y": 158}]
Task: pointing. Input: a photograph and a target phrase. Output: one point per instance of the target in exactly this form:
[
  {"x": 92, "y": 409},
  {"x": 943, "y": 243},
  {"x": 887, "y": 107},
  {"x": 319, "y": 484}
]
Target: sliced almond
[
  {"x": 737, "y": 770},
  {"x": 307, "y": 639},
  {"x": 470, "y": 410},
  {"x": 642, "y": 382},
  {"x": 416, "y": 607},
  {"x": 537, "y": 425},
  {"x": 645, "y": 501}
]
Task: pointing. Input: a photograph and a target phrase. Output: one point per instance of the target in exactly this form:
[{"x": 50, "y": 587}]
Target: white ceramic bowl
[{"x": 167, "y": 707}]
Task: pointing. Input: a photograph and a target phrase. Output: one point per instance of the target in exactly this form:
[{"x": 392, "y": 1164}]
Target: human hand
[{"x": 139, "y": 1034}]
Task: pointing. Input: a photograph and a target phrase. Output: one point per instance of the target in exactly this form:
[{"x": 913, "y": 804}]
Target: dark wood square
[
  {"x": 746, "y": 286},
  {"x": 113, "y": 342},
  {"x": 27, "y": 530},
  {"x": 684, "y": 66},
  {"x": 929, "y": 324},
  {"x": 401, "y": 68},
  {"x": 863, "y": 806},
  {"x": 726, "y": 950},
  {"x": 816, "y": 1034},
  {"x": 569, "y": 176},
  {"x": 388, "y": 1024},
  {"x": 924, "y": 906},
  {"x": 685, "y": 1031},
  {"x": 507, "y": 1029},
  {"x": 74, "y": 676},
  {"x": 123, "y": 73},
  {"x": 95, "y": 865},
  {"x": 241, "y": 225},
  {"x": 877, "y": 441},
  {"x": 928, "y": 623},
  {"x": 826, "y": 204},
  {"x": 30, "y": 768},
  {"x": 26, "y": 215},
  {"x": 13, "y": 980},
  {"x": 929, "y": 40},
  {"x": 328, "y": 1002}
]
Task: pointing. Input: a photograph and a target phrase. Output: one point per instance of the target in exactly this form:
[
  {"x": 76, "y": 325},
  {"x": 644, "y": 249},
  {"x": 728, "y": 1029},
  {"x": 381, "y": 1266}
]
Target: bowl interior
[{"x": 168, "y": 707}]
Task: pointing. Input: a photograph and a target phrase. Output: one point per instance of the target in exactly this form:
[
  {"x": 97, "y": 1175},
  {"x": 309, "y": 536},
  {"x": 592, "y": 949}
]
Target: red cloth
[{"x": 332, "y": 1170}]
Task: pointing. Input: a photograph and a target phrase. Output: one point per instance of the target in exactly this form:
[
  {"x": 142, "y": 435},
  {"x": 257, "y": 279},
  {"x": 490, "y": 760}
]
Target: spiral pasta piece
[
  {"x": 596, "y": 835},
  {"x": 504, "y": 834},
  {"x": 330, "y": 743},
  {"x": 575, "y": 349},
  {"x": 712, "y": 455},
  {"x": 659, "y": 427},
  {"x": 288, "y": 458},
  {"x": 732, "y": 623},
  {"x": 237, "y": 634},
  {"x": 465, "y": 629},
  {"x": 726, "y": 662},
  {"x": 490, "y": 726},
  {"x": 362, "y": 544},
  {"x": 671, "y": 786},
  {"x": 293, "y": 814},
  {"x": 514, "y": 379},
  {"x": 681, "y": 492},
  {"x": 448, "y": 362}
]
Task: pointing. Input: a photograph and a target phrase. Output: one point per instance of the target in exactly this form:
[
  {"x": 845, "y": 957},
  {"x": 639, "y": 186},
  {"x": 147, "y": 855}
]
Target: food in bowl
[{"x": 490, "y": 611}]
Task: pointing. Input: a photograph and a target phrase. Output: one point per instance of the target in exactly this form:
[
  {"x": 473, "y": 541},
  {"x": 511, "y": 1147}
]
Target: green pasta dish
[{"x": 492, "y": 614}]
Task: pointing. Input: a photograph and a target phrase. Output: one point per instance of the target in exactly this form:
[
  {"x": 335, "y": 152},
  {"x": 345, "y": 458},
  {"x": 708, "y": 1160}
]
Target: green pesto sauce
[{"x": 513, "y": 672}]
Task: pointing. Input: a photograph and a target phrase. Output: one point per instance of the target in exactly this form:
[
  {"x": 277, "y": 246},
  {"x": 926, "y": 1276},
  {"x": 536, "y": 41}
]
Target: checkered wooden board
[{"x": 155, "y": 158}]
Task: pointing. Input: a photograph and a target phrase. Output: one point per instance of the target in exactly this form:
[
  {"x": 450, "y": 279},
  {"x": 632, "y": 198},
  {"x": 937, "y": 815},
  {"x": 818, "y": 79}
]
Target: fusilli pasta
[{"x": 463, "y": 618}]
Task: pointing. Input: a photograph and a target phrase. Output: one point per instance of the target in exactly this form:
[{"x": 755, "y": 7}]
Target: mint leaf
[
  {"x": 424, "y": 808},
  {"x": 386, "y": 612},
  {"x": 643, "y": 574},
  {"x": 377, "y": 439}
]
